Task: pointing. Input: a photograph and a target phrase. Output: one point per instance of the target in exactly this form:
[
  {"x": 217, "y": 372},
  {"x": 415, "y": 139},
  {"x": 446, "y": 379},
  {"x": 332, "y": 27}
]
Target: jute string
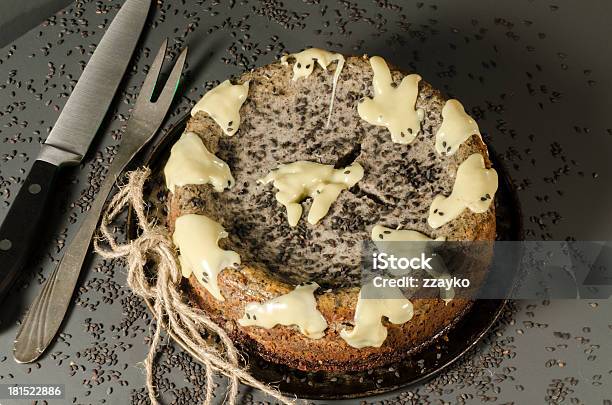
[{"x": 172, "y": 312}]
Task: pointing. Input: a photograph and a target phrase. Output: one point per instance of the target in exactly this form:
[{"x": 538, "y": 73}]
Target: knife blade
[{"x": 70, "y": 137}]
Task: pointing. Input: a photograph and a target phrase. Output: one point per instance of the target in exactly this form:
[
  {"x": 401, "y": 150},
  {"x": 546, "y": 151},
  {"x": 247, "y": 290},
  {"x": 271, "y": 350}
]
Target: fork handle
[{"x": 47, "y": 312}]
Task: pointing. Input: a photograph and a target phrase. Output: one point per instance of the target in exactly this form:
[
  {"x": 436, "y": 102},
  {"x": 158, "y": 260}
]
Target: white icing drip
[
  {"x": 474, "y": 188},
  {"x": 304, "y": 65},
  {"x": 197, "y": 238},
  {"x": 369, "y": 330},
  {"x": 299, "y": 308},
  {"x": 299, "y": 180},
  {"x": 223, "y": 104},
  {"x": 393, "y": 107},
  {"x": 191, "y": 163},
  {"x": 383, "y": 234},
  {"x": 457, "y": 126}
]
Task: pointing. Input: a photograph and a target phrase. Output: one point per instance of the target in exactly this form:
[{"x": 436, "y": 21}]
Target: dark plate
[{"x": 440, "y": 353}]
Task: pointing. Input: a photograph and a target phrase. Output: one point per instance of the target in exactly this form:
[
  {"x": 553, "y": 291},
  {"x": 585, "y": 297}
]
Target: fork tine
[
  {"x": 146, "y": 91},
  {"x": 167, "y": 93}
]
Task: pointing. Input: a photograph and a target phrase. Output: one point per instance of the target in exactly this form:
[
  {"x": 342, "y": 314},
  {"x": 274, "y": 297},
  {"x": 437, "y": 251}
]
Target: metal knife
[
  {"x": 45, "y": 316},
  {"x": 70, "y": 137}
]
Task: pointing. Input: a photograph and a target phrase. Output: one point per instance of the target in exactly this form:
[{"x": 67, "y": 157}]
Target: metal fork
[{"x": 45, "y": 316}]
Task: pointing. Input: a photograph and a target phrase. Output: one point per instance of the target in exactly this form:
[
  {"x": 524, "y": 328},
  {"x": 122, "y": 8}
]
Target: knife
[
  {"x": 70, "y": 137},
  {"x": 46, "y": 313}
]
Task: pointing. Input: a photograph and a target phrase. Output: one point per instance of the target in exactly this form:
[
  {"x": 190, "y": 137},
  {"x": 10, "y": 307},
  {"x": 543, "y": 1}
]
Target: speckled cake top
[{"x": 283, "y": 121}]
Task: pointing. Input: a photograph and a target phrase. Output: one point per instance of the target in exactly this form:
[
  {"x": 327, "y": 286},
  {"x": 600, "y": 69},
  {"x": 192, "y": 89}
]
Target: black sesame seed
[{"x": 299, "y": 65}]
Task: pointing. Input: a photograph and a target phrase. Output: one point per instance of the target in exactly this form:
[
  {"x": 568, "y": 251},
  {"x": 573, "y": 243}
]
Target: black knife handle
[{"x": 20, "y": 225}]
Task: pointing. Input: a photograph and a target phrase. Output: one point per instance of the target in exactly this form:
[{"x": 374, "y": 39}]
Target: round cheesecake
[{"x": 293, "y": 263}]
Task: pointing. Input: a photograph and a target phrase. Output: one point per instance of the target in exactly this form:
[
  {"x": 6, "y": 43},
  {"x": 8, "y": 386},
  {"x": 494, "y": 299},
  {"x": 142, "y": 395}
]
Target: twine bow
[{"x": 182, "y": 320}]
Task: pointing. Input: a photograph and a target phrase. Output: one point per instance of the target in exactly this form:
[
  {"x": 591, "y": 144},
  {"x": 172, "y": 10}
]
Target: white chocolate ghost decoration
[
  {"x": 299, "y": 180},
  {"x": 223, "y": 105},
  {"x": 197, "y": 238},
  {"x": 457, "y": 126},
  {"x": 299, "y": 308},
  {"x": 474, "y": 188},
  {"x": 191, "y": 163},
  {"x": 393, "y": 107},
  {"x": 304, "y": 65},
  {"x": 382, "y": 234},
  {"x": 369, "y": 330}
]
